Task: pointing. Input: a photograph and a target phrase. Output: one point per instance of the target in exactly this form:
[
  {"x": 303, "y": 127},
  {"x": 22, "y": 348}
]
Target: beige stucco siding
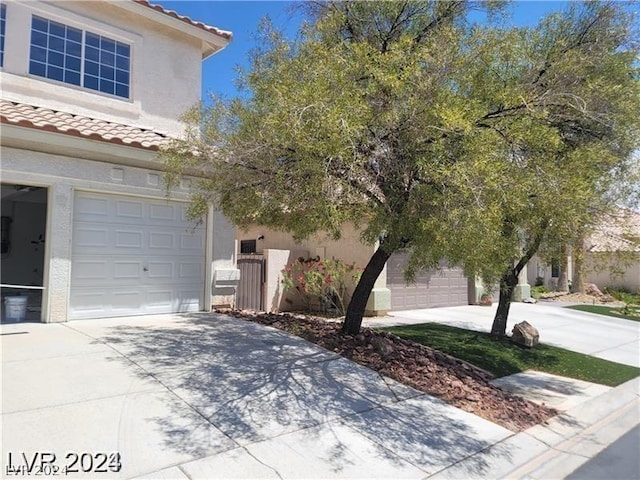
[
  {"x": 624, "y": 274},
  {"x": 348, "y": 248},
  {"x": 165, "y": 66}
]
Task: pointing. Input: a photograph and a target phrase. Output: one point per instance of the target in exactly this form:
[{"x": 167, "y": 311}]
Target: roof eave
[
  {"x": 5, "y": 122},
  {"x": 212, "y": 41}
]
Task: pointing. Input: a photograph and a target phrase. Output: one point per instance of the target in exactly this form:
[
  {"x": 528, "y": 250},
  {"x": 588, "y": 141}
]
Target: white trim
[
  {"x": 208, "y": 261},
  {"x": 212, "y": 40},
  {"x": 67, "y": 17}
]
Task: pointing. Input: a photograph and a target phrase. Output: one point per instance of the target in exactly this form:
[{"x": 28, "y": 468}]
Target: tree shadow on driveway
[{"x": 278, "y": 395}]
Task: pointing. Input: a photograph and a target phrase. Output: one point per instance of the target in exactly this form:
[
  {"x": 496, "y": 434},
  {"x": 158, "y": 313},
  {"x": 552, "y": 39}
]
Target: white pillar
[
  {"x": 58, "y": 253},
  {"x": 523, "y": 289}
]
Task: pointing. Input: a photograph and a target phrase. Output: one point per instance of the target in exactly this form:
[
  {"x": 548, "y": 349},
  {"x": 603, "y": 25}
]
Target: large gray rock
[{"x": 525, "y": 334}]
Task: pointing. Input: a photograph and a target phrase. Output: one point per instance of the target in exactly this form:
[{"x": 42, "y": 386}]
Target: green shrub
[
  {"x": 538, "y": 290},
  {"x": 539, "y": 282},
  {"x": 321, "y": 284},
  {"x": 623, "y": 295}
]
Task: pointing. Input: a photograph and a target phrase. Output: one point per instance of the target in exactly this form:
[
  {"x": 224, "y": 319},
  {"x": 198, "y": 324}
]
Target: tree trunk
[
  {"x": 358, "y": 303},
  {"x": 508, "y": 283},
  {"x": 563, "y": 275},
  {"x": 578, "y": 267}
]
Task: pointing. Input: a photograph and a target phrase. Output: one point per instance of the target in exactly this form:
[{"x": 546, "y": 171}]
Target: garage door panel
[
  {"x": 160, "y": 299},
  {"x": 446, "y": 286},
  {"x": 134, "y": 256},
  {"x": 127, "y": 300},
  {"x": 90, "y": 237},
  {"x": 103, "y": 242},
  {"x": 130, "y": 239},
  {"x": 162, "y": 240},
  {"x": 160, "y": 270},
  {"x": 188, "y": 299},
  {"x": 90, "y": 208},
  {"x": 112, "y": 269},
  {"x": 89, "y": 301},
  {"x": 164, "y": 213},
  {"x": 190, "y": 270},
  {"x": 190, "y": 242},
  {"x": 127, "y": 270},
  {"x": 85, "y": 270},
  {"x": 127, "y": 209}
]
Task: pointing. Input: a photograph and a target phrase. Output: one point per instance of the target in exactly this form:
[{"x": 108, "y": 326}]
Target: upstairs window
[
  {"x": 77, "y": 57},
  {"x": 3, "y": 22},
  {"x": 56, "y": 51}
]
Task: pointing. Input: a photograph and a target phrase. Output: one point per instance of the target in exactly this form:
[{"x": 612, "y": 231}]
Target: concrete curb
[{"x": 561, "y": 446}]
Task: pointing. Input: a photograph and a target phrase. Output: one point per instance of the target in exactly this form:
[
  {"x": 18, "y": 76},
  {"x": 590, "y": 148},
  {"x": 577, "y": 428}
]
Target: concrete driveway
[
  {"x": 597, "y": 335},
  {"x": 209, "y": 396}
]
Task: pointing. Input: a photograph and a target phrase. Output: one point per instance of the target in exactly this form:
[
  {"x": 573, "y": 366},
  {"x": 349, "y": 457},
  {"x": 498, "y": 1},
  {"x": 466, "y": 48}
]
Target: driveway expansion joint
[
  {"x": 262, "y": 463},
  {"x": 184, "y": 472}
]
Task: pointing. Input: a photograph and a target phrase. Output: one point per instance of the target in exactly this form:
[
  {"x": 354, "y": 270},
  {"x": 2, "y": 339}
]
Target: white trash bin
[{"x": 15, "y": 308}]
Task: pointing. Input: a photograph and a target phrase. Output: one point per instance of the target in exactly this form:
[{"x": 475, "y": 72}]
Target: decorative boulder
[
  {"x": 593, "y": 290},
  {"x": 525, "y": 334}
]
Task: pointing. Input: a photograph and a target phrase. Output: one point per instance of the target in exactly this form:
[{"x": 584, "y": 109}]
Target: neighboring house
[
  {"x": 433, "y": 288},
  {"x": 611, "y": 256},
  {"x": 90, "y": 91},
  {"x": 539, "y": 271},
  {"x": 612, "y": 253}
]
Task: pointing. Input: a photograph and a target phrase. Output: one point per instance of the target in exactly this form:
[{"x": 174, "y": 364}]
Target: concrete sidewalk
[
  {"x": 555, "y": 450},
  {"x": 209, "y": 396},
  {"x": 600, "y": 336}
]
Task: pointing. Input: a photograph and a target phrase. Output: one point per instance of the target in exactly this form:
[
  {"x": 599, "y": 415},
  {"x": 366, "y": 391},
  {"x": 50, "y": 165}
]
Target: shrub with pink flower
[{"x": 322, "y": 284}]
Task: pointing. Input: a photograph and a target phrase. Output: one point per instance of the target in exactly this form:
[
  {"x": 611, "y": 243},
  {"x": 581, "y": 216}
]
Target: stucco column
[
  {"x": 379, "y": 302},
  {"x": 57, "y": 279},
  {"x": 523, "y": 289},
  {"x": 223, "y": 256}
]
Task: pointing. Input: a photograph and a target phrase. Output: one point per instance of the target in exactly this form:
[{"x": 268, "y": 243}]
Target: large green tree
[
  {"x": 448, "y": 139},
  {"x": 578, "y": 80}
]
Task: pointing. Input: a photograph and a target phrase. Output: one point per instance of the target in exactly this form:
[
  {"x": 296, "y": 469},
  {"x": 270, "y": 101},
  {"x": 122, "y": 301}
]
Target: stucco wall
[
  {"x": 165, "y": 69},
  {"x": 273, "y": 294},
  {"x": 64, "y": 175},
  {"x": 348, "y": 248},
  {"x": 596, "y": 272}
]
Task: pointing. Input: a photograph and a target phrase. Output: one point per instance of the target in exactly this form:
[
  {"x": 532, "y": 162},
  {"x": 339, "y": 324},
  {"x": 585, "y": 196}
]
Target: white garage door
[
  {"x": 446, "y": 287},
  {"x": 133, "y": 256}
]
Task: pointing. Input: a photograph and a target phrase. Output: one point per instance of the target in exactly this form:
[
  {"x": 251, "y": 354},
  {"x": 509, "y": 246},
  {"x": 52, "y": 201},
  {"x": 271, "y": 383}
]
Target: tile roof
[
  {"x": 172, "y": 13},
  {"x": 40, "y": 118},
  {"x": 620, "y": 233}
]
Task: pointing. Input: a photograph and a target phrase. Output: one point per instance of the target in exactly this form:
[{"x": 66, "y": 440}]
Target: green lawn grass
[
  {"x": 501, "y": 357},
  {"x": 609, "y": 311}
]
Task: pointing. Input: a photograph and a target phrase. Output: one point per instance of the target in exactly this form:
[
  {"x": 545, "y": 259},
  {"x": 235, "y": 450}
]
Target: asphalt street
[{"x": 620, "y": 460}]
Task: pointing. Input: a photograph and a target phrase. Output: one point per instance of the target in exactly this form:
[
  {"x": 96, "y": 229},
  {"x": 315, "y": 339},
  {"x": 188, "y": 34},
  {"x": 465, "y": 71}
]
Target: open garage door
[
  {"x": 447, "y": 287},
  {"x": 134, "y": 256}
]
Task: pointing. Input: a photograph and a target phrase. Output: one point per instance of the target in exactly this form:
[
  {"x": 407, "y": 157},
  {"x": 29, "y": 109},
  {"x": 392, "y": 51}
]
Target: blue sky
[{"x": 243, "y": 17}]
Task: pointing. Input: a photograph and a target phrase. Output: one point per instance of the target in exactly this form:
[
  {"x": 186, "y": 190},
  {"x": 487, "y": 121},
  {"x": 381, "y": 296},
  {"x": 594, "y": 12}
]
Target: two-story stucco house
[{"x": 89, "y": 91}]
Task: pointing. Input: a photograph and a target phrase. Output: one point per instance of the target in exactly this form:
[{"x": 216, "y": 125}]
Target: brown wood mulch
[{"x": 430, "y": 371}]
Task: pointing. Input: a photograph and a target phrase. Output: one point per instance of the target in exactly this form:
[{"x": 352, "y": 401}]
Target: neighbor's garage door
[
  {"x": 133, "y": 256},
  {"x": 432, "y": 288}
]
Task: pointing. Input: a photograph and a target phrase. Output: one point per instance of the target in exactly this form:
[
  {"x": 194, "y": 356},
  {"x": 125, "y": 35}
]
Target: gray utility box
[{"x": 226, "y": 277}]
